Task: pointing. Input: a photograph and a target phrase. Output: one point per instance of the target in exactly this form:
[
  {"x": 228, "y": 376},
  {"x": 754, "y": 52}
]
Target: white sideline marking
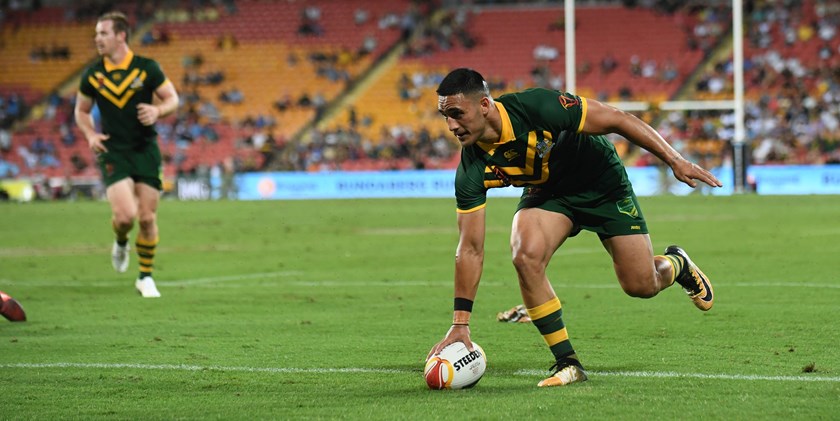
[
  {"x": 783, "y": 285},
  {"x": 228, "y": 279},
  {"x": 675, "y": 375},
  {"x": 394, "y": 283},
  {"x": 184, "y": 367},
  {"x": 183, "y": 282},
  {"x": 351, "y": 370},
  {"x": 215, "y": 279}
]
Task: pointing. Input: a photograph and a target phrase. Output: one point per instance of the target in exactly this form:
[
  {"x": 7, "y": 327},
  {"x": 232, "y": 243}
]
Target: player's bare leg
[
  {"x": 643, "y": 275},
  {"x": 123, "y": 213},
  {"x": 639, "y": 272},
  {"x": 147, "y": 238},
  {"x": 535, "y": 236}
]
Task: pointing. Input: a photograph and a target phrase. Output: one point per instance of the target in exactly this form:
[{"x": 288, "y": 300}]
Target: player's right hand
[
  {"x": 456, "y": 333},
  {"x": 95, "y": 142},
  {"x": 687, "y": 171}
]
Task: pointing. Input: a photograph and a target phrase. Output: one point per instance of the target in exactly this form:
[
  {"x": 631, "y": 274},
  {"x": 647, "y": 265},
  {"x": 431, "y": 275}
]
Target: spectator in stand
[
  {"x": 368, "y": 45},
  {"x": 361, "y": 16},
  {"x": 608, "y": 64},
  {"x": 8, "y": 169},
  {"x": 156, "y": 36},
  {"x": 59, "y": 51},
  {"x": 214, "y": 77},
  {"x": 5, "y": 140},
  {"x": 227, "y": 42},
  {"x": 29, "y": 158},
  {"x": 232, "y": 96},
  {"x": 53, "y": 102},
  {"x": 14, "y": 108},
  {"x": 669, "y": 71},
  {"x": 209, "y": 111},
  {"x": 283, "y": 103},
  {"x": 304, "y": 101},
  {"x": 649, "y": 69},
  {"x": 319, "y": 102},
  {"x": 38, "y": 53},
  {"x": 310, "y": 24},
  {"x": 635, "y": 66},
  {"x": 292, "y": 59},
  {"x": 79, "y": 162},
  {"x": 41, "y": 146}
]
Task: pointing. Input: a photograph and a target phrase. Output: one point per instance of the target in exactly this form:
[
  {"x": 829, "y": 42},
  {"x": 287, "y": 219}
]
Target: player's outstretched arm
[
  {"x": 469, "y": 260},
  {"x": 603, "y": 119}
]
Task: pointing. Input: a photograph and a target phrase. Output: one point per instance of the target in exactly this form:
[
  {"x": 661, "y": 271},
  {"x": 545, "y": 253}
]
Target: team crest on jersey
[
  {"x": 136, "y": 84},
  {"x": 627, "y": 207},
  {"x": 117, "y": 76},
  {"x": 567, "y": 102}
]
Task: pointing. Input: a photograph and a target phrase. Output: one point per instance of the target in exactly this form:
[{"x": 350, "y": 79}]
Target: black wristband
[{"x": 463, "y": 304}]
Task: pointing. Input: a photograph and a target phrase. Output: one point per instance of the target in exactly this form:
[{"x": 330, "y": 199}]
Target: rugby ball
[
  {"x": 455, "y": 367},
  {"x": 11, "y": 309}
]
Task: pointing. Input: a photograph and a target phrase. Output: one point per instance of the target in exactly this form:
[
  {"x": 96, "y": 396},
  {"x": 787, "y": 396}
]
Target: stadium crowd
[{"x": 792, "y": 108}]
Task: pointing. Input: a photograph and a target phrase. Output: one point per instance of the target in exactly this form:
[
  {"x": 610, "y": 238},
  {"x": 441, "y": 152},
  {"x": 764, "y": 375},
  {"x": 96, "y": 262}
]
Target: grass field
[{"x": 326, "y": 309}]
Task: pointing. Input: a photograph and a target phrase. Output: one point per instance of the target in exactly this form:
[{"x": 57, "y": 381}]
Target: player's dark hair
[
  {"x": 120, "y": 23},
  {"x": 463, "y": 81}
]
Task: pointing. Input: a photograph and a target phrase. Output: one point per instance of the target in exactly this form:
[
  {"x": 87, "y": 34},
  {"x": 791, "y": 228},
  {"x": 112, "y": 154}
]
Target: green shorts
[
  {"x": 615, "y": 214},
  {"x": 143, "y": 165}
]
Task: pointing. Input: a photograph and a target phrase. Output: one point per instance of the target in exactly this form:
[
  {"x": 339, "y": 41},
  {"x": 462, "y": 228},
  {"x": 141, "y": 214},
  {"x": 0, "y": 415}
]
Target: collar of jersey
[
  {"x": 123, "y": 65},
  {"x": 507, "y": 130}
]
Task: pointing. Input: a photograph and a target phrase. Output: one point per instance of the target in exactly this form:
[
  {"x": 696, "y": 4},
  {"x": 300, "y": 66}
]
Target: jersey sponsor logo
[
  {"x": 568, "y": 102},
  {"x": 635, "y": 227},
  {"x": 511, "y": 155}
]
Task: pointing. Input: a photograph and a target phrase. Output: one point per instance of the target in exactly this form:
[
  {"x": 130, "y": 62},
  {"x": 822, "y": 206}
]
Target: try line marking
[
  {"x": 278, "y": 277},
  {"x": 353, "y": 370}
]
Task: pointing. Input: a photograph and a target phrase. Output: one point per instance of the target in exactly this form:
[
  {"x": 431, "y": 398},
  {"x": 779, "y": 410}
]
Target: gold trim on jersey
[
  {"x": 583, "y": 107},
  {"x": 117, "y": 94},
  {"x": 530, "y": 154},
  {"x": 508, "y": 135},
  {"x": 123, "y": 65}
]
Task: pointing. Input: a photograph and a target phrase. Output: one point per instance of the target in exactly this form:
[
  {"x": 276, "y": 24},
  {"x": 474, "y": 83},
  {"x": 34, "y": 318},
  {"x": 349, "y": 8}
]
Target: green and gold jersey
[
  {"x": 117, "y": 89},
  {"x": 541, "y": 146}
]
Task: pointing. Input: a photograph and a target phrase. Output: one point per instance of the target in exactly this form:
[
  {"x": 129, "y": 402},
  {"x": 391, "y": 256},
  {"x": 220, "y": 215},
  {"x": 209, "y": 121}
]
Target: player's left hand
[
  {"x": 687, "y": 171},
  {"x": 148, "y": 114}
]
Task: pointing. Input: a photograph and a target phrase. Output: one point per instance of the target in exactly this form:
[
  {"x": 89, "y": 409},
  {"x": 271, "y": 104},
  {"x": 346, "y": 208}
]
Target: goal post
[{"x": 740, "y": 160}]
